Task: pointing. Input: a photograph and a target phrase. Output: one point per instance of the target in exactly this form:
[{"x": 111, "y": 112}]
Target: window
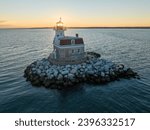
[
  {"x": 72, "y": 41},
  {"x": 78, "y": 50},
  {"x": 72, "y": 51}
]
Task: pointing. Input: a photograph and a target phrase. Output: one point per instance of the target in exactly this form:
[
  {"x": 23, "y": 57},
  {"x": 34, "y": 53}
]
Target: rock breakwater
[{"x": 93, "y": 70}]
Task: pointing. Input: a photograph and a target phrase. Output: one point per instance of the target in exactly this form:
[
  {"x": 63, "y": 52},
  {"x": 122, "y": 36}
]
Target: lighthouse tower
[
  {"x": 66, "y": 49},
  {"x": 59, "y": 30}
]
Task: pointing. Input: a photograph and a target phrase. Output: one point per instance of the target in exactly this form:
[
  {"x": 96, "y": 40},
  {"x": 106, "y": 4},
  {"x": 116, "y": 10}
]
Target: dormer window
[{"x": 72, "y": 41}]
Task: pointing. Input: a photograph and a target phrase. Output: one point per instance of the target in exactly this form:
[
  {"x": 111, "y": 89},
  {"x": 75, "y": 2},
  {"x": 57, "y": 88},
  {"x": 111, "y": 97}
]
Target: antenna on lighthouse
[{"x": 60, "y": 19}]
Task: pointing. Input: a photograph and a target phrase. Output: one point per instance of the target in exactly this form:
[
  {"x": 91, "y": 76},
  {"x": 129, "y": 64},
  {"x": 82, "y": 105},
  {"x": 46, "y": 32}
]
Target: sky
[{"x": 74, "y": 13}]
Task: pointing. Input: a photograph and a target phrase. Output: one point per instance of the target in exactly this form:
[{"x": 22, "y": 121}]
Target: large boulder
[{"x": 64, "y": 72}]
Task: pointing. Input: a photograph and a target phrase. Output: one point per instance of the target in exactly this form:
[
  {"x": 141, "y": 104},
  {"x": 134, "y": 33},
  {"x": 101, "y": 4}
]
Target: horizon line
[{"x": 123, "y": 27}]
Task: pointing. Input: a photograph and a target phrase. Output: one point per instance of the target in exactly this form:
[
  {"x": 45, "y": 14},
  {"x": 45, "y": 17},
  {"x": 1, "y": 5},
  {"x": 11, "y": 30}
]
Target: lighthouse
[
  {"x": 59, "y": 29},
  {"x": 66, "y": 49}
]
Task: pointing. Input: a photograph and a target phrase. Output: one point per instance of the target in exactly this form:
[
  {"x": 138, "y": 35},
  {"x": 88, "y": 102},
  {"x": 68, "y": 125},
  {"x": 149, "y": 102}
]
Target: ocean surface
[{"x": 20, "y": 47}]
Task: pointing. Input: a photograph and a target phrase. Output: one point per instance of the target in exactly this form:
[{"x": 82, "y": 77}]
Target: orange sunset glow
[{"x": 95, "y": 13}]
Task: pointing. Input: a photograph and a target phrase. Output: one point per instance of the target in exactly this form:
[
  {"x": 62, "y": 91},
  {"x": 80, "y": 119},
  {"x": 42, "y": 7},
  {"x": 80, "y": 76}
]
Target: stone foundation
[{"x": 92, "y": 70}]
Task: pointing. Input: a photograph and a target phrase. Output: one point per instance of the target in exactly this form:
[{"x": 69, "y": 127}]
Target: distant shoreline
[{"x": 83, "y": 28}]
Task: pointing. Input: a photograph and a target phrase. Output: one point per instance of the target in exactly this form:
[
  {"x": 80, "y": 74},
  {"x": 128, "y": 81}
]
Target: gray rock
[
  {"x": 81, "y": 70},
  {"x": 83, "y": 75},
  {"x": 66, "y": 76},
  {"x": 50, "y": 76},
  {"x": 64, "y": 72},
  {"x": 73, "y": 71},
  {"x": 79, "y": 66},
  {"x": 98, "y": 63},
  {"x": 34, "y": 72},
  {"x": 106, "y": 68},
  {"x": 71, "y": 76},
  {"x": 89, "y": 67},
  {"x": 121, "y": 66},
  {"x": 43, "y": 74},
  {"x": 32, "y": 65},
  {"x": 33, "y": 69},
  {"x": 102, "y": 74},
  {"x": 90, "y": 72},
  {"x": 39, "y": 62},
  {"x": 68, "y": 66},
  {"x": 46, "y": 67},
  {"x": 39, "y": 71},
  {"x": 60, "y": 77},
  {"x": 84, "y": 64},
  {"x": 49, "y": 71},
  {"x": 41, "y": 67},
  {"x": 83, "y": 67},
  {"x": 55, "y": 73}
]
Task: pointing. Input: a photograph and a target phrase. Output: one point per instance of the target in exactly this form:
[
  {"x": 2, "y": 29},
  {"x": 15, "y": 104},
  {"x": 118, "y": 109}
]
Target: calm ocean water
[{"x": 20, "y": 47}]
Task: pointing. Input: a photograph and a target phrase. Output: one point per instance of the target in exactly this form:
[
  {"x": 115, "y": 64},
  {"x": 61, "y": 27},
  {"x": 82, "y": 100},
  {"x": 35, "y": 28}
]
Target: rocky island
[
  {"x": 93, "y": 70},
  {"x": 69, "y": 64}
]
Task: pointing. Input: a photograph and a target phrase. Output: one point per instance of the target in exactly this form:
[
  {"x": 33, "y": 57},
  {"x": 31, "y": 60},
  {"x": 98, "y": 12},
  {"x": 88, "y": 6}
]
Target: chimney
[{"x": 77, "y": 35}]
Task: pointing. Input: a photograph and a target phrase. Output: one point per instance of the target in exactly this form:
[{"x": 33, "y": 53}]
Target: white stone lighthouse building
[{"x": 66, "y": 49}]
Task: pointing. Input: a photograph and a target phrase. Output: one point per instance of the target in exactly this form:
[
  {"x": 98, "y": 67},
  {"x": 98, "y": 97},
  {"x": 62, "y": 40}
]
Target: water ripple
[{"x": 18, "y": 48}]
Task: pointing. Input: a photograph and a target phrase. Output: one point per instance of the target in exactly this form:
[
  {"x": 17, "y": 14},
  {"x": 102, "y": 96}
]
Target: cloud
[
  {"x": 3, "y": 21},
  {"x": 4, "y": 24}
]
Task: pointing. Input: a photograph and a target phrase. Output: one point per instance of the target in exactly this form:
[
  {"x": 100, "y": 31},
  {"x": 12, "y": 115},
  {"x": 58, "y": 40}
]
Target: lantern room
[
  {"x": 59, "y": 29},
  {"x": 59, "y": 25}
]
